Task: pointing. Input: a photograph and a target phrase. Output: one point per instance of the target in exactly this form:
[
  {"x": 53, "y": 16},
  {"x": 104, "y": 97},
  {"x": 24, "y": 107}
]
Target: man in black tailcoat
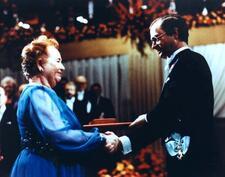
[{"x": 183, "y": 117}]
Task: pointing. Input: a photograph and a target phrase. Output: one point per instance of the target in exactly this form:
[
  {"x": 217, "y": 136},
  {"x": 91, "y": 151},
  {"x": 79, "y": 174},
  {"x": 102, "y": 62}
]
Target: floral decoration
[
  {"x": 147, "y": 163},
  {"x": 132, "y": 21}
]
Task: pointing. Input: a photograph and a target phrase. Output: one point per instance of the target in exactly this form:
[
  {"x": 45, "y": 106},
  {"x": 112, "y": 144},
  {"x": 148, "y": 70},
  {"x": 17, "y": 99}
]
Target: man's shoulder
[
  {"x": 191, "y": 58},
  {"x": 189, "y": 53}
]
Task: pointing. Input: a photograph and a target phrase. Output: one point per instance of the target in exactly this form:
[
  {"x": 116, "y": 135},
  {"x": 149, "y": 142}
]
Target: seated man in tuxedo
[
  {"x": 9, "y": 135},
  {"x": 101, "y": 107}
]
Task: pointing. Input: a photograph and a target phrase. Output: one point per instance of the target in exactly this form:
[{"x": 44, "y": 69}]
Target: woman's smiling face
[{"x": 52, "y": 66}]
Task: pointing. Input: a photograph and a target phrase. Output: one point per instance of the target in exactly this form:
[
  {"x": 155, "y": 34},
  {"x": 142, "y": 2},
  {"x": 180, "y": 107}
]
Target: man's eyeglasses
[{"x": 157, "y": 38}]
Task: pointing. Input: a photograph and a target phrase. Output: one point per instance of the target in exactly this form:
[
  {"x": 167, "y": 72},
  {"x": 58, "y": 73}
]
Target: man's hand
[
  {"x": 112, "y": 142},
  {"x": 140, "y": 121}
]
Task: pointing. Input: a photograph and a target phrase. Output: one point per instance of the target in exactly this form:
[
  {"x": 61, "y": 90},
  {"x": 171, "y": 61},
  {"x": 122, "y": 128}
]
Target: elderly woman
[{"x": 53, "y": 143}]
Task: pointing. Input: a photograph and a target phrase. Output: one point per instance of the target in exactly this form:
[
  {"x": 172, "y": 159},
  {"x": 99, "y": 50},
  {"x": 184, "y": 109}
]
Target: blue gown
[{"x": 53, "y": 143}]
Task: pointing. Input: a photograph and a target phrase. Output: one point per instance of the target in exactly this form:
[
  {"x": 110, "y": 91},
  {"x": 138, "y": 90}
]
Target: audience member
[
  {"x": 20, "y": 89},
  {"x": 69, "y": 91},
  {"x": 101, "y": 107},
  {"x": 10, "y": 86},
  {"x": 59, "y": 88},
  {"x": 82, "y": 106},
  {"x": 9, "y": 135}
]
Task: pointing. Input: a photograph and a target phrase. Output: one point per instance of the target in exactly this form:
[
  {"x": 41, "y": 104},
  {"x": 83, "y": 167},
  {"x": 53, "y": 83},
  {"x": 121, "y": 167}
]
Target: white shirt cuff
[{"x": 126, "y": 144}]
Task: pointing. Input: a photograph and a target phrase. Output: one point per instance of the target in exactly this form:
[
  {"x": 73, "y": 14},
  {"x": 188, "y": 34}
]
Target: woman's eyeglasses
[{"x": 157, "y": 38}]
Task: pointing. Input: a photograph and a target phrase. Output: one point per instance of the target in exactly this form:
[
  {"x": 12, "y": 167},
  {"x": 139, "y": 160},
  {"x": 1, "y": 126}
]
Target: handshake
[{"x": 115, "y": 143}]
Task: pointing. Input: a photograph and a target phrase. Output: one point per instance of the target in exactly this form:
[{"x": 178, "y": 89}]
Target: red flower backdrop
[
  {"x": 132, "y": 22},
  {"x": 147, "y": 163}
]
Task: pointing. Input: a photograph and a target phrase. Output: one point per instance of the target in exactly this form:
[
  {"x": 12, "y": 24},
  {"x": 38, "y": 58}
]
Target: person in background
[
  {"x": 20, "y": 89},
  {"x": 101, "y": 107},
  {"x": 70, "y": 91},
  {"x": 53, "y": 142},
  {"x": 10, "y": 86},
  {"x": 183, "y": 117},
  {"x": 59, "y": 88},
  {"x": 82, "y": 105},
  {"x": 9, "y": 135}
]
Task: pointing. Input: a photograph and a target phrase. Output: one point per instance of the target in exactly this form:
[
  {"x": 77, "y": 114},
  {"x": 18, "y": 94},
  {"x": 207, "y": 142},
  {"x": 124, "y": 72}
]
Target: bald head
[{"x": 81, "y": 82}]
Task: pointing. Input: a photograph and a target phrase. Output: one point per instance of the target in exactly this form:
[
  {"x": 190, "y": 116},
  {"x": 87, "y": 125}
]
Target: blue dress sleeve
[{"x": 58, "y": 125}]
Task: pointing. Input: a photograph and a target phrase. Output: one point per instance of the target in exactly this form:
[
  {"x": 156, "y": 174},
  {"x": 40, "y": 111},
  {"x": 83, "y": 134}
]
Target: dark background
[{"x": 102, "y": 10}]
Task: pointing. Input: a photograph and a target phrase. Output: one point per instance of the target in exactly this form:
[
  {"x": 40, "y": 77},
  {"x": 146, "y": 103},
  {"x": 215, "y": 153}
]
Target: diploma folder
[{"x": 107, "y": 123}]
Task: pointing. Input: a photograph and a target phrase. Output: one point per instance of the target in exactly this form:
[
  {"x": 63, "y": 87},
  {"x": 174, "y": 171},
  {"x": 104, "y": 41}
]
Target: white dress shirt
[
  {"x": 80, "y": 95},
  {"x": 69, "y": 102},
  {"x": 2, "y": 110},
  {"x": 170, "y": 59}
]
